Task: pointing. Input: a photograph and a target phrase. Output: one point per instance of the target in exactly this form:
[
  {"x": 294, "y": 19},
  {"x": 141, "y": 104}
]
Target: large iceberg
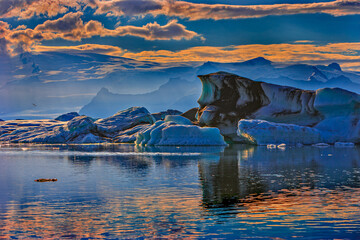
[
  {"x": 227, "y": 98},
  {"x": 128, "y": 126}
]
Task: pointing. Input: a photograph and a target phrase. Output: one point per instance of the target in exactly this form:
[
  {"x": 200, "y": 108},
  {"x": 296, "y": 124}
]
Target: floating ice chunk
[
  {"x": 321, "y": 145},
  {"x": 227, "y": 98},
  {"x": 144, "y": 136},
  {"x": 271, "y": 146},
  {"x": 281, "y": 146},
  {"x": 208, "y": 114},
  {"x": 170, "y": 134},
  {"x": 340, "y": 129},
  {"x": 124, "y": 120},
  {"x": 183, "y": 135},
  {"x": 264, "y": 132},
  {"x": 329, "y": 98},
  {"x": 344, "y": 144},
  {"x": 177, "y": 119},
  {"x": 88, "y": 138},
  {"x": 129, "y": 135}
]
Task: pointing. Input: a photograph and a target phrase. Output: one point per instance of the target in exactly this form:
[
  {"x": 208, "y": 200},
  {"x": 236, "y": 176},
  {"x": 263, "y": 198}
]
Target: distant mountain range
[
  {"x": 298, "y": 75},
  {"x": 49, "y": 84},
  {"x": 175, "y": 94}
]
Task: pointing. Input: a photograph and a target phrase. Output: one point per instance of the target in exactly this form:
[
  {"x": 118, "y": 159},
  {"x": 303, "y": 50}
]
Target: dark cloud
[
  {"x": 67, "y": 23},
  {"x": 128, "y": 7},
  {"x": 193, "y": 11},
  {"x": 25, "y": 9},
  {"x": 4, "y": 43},
  {"x": 7, "y": 6},
  {"x": 196, "y": 11}
]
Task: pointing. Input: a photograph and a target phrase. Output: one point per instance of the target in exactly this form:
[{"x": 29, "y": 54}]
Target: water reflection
[
  {"x": 244, "y": 171},
  {"x": 121, "y": 191}
]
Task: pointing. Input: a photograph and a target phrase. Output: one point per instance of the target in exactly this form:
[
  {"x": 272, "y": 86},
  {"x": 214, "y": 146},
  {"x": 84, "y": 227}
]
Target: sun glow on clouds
[
  {"x": 85, "y": 48},
  {"x": 25, "y": 9},
  {"x": 344, "y": 53},
  {"x": 72, "y": 26}
]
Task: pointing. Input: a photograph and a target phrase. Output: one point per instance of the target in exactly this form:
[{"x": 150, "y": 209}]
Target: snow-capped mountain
[
  {"x": 50, "y": 83},
  {"x": 297, "y": 75}
]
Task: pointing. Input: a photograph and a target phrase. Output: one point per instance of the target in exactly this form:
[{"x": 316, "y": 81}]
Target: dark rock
[
  {"x": 191, "y": 114},
  {"x": 46, "y": 180},
  {"x": 67, "y": 116},
  {"x": 161, "y": 115}
]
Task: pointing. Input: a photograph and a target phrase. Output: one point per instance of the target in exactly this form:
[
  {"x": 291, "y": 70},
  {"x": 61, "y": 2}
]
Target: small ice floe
[
  {"x": 321, "y": 145},
  {"x": 271, "y": 146},
  {"x": 344, "y": 144},
  {"x": 281, "y": 146},
  {"x": 272, "y": 175},
  {"x": 46, "y": 180}
]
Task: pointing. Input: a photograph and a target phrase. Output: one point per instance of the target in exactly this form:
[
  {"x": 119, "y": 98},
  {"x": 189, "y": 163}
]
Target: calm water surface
[{"x": 120, "y": 191}]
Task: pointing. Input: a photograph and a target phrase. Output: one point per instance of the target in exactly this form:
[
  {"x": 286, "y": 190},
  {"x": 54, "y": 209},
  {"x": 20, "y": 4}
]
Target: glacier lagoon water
[{"x": 121, "y": 191}]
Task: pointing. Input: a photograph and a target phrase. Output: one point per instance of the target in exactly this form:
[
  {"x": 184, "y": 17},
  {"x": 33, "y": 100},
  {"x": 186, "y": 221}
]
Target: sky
[
  {"x": 41, "y": 42},
  {"x": 183, "y": 31}
]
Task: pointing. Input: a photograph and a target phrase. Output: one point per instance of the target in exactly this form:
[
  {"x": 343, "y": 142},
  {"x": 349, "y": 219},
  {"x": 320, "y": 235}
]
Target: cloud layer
[
  {"x": 182, "y": 9},
  {"x": 221, "y": 11},
  {"x": 72, "y": 28},
  {"x": 344, "y": 53},
  {"x": 25, "y": 9}
]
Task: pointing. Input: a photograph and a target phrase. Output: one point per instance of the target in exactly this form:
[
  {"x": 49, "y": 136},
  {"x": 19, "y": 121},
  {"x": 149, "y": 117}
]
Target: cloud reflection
[{"x": 240, "y": 192}]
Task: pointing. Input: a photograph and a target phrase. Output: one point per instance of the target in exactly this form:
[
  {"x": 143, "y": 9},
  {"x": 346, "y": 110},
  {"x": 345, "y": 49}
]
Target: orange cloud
[
  {"x": 344, "y": 53},
  {"x": 197, "y": 11},
  {"x": 88, "y": 48},
  {"x": 25, "y": 9},
  {"x": 71, "y": 27},
  {"x": 289, "y": 53}
]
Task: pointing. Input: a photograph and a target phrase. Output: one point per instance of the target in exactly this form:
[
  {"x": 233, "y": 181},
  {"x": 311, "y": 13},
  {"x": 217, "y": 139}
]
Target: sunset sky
[
  {"x": 56, "y": 55},
  {"x": 182, "y": 31}
]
